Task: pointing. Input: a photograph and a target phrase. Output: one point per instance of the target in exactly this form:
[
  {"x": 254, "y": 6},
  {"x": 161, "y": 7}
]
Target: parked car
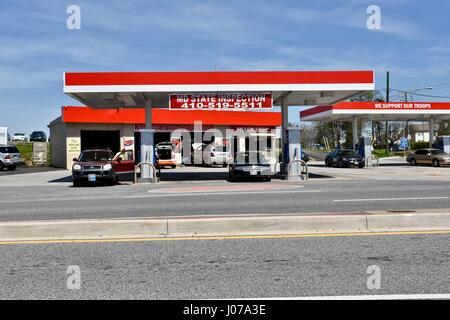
[
  {"x": 344, "y": 158},
  {"x": 164, "y": 155},
  {"x": 217, "y": 155},
  {"x": 396, "y": 147},
  {"x": 305, "y": 157},
  {"x": 210, "y": 155},
  {"x": 19, "y": 137},
  {"x": 100, "y": 165},
  {"x": 318, "y": 146},
  {"x": 197, "y": 153},
  {"x": 435, "y": 157},
  {"x": 249, "y": 165},
  {"x": 38, "y": 136},
  {"x": 10, "y": 158}
]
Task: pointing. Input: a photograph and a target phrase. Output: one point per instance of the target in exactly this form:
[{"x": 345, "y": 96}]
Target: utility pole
[{"x": 388, "y": 91}]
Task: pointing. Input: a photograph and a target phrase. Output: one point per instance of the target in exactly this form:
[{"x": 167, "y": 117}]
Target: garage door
[{"x": 91, "y": 139}]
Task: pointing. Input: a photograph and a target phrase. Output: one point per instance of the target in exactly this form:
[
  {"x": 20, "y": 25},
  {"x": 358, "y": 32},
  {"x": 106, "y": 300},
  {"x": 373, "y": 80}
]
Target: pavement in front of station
[
  {"x": 205, "y": 191},
  {"x": 395, "y": 168}
]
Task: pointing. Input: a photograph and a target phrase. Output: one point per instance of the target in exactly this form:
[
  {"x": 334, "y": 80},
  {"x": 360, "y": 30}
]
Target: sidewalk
[{"x": 226, "y": 226}]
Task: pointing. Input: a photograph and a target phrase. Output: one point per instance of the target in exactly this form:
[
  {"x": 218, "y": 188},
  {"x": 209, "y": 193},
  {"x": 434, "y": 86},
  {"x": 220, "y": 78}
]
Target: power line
[
  {"x": 419, "y": 94},
  {"x": 441, "y": 84}
]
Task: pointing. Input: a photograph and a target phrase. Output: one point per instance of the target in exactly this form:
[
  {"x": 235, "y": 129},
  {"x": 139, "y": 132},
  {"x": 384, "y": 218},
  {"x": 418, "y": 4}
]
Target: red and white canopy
[
  {"x": 392, "y": 111},
  {"x": 131, "y": 89}
]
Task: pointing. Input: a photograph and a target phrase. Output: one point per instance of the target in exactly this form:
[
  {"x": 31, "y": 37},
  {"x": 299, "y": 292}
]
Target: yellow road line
[{"x": 287, "y": 236}]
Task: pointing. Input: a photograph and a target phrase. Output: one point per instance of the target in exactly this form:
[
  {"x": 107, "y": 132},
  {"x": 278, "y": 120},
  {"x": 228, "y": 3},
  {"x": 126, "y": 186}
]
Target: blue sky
[{"x": 145, "y": 35}]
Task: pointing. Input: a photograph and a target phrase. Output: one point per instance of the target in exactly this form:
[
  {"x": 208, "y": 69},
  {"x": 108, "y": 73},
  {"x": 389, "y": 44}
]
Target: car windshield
[
  {"x": 96, "y": 156},
  {"x": 9, "y": 150},
  {"x": 165, "y": 145},
  {"x": 349, "y": 153},
  {"x": 439, "y": 152},
  {"x": 220, "y": 148},
  {"x": 250, "y": 158}
]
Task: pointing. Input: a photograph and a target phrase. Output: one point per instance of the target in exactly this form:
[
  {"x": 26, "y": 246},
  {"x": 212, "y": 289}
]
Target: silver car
[
  {"x": 434, "y": 157},
  {"x": 247, "y": 165},
  {"x": 211, "y": 155},
  {"x": 9, "y": 157}
]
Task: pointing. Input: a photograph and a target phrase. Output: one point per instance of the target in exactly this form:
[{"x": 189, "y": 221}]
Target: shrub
[{"x": 419, "y": 145}]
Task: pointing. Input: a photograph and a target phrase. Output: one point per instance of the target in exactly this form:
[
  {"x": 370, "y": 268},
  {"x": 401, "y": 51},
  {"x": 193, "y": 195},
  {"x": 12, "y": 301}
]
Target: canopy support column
[
  {"x": 284, "y": 135},
  {"x": 355, "y": 132},
  {"x": 431, "y": 128},
  {"x": 147, "y": 149}
]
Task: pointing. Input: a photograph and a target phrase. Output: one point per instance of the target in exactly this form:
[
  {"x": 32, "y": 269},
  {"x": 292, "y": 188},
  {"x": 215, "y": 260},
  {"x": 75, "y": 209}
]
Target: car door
[
  {"x": 198, "y": 154},
  {"x": 428, "y": 157},
  {"x": 334, "y": 157},
  {"x": 418, "y": 156},
  {"x": 422, "y": 157},
  {"x": 126, "y": 163}
]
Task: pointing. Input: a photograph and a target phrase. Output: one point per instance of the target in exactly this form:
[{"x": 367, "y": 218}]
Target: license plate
[
  {"x": 253, "y": 173},
  {"x": 92, "y": 178}
]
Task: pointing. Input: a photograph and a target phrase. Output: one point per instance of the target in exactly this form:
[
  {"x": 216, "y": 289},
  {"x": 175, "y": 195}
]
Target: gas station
[
  {"x": 355, "y": 112},
  {"x": 241, "y": 92}
]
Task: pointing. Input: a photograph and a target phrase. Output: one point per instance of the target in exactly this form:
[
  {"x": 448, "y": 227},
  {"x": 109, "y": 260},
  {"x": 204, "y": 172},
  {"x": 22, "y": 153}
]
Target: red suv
[{"x": 100, "y": 165}]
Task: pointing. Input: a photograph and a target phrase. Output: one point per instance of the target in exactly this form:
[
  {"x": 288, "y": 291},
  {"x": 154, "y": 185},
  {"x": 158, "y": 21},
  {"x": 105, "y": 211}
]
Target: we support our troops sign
[{"x": 221, "y": 101}]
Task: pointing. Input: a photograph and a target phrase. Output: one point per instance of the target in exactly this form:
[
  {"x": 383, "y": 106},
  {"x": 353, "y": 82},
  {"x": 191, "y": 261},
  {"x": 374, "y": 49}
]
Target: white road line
[
  {"x": 187, "y": 194},
  {"x": 368, "y": 297},
  {"x": 391, "y": 199}
]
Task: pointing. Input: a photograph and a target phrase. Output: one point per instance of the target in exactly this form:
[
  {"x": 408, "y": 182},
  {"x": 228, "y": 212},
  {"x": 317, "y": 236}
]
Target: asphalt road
[
  {"x": 239, "y": 268},
  {"x": 25, "y": 169},
  {"x": 211, "y": 198}
]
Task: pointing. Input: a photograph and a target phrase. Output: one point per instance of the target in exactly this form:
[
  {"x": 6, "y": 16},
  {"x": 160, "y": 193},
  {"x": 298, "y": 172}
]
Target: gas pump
[
  {"x": 294, "y": 152},
  {"x": 365, "y": 148},
  {"x": 443, "y": 143}
]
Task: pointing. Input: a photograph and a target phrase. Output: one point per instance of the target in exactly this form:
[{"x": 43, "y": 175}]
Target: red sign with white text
[{"x": 221, "y": 101}]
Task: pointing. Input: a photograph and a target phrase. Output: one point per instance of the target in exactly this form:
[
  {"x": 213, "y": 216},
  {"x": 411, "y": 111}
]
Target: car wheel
[
  {"x": 12, "y": 168},
  {"x": 413, "y": 162},
  {"x": 116, "y": 180},
  {"x": 173, "y": 167},
  {"x": 361, "y": 165},
  {"x": 230, "y": 176},
  {"x": 2, "y": 166},
  {"x": 268, "y": 179},
  {"x": 76, "y": 183},
  {"x": 340, "y": 164},
  {"x": 436, "y": 163}
]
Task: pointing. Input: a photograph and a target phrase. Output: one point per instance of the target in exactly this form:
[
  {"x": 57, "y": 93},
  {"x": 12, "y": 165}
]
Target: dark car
[
  {"x": 100, "y": 165},
  {"x": 305, "y": 157},
  {"x": 344, "y": 158},
  {"x": 249, "y": 165},
  {"x": 38, "y": 136}
]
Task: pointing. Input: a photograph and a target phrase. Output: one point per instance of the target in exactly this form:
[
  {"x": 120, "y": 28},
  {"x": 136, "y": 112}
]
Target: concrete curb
[{"x": 361, "y": 222}]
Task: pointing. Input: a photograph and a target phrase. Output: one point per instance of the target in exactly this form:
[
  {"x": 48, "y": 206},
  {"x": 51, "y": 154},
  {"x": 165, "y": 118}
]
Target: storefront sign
[
  {"x": 128, "y": 143},
  {"x": 404, "y": 106},
  {"x": 221, "y": 101},
  {"x": 171, "y": 128},
  {"x": 73, "y": 145}
]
